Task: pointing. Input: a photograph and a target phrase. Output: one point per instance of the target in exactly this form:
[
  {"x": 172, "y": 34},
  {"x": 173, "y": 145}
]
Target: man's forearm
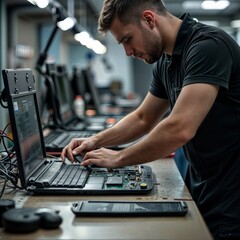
[
  {"x": 126, "y": 130},
  {"x": 161, "y": 141}
]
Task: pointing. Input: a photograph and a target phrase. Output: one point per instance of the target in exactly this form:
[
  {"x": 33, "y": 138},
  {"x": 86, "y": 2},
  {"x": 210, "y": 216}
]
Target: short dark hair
[{"x": 126, "y": 10}]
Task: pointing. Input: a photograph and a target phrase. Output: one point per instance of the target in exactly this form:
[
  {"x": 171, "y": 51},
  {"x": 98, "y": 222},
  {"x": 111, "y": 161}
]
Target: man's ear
[{"x": 149, "y": 18}]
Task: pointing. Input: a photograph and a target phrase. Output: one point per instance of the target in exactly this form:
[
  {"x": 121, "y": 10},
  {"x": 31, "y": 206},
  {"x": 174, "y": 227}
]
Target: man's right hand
[{"x": 78, "y": 146}]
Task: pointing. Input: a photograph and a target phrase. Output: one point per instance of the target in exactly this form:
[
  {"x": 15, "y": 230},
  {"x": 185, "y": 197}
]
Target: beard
[
  {"x": 154, "y": 52},
  {"x": 153, "y": 48}
]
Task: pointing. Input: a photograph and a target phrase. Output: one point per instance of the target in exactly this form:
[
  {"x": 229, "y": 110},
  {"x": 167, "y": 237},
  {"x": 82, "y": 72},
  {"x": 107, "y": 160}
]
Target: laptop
[
  {"x": 94, "y": 100},
  {"x": 56, "y": 134},
  {"x": 56, "y": 139},
  {"x": 41, "y": 174},
  {"x": 65, "y": 95},
  {"x": 68, "y": 125},
  {"x": 119, "y": 106}
]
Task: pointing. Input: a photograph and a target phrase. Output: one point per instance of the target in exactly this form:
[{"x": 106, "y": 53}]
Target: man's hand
[
  {"x": 102, "y": 157},
  {"x": 77, "y": 146}
]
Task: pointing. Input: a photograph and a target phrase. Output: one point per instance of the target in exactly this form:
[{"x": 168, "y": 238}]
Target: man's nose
[{"x": 128, "y": 50}]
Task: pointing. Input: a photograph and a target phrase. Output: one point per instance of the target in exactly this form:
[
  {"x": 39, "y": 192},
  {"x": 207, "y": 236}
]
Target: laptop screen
[
  {"x": 28, "y": 132},
  {"x": 77, "y": 82},
  {"x": 62, "y": 90},
  {"x": 64, "y": 93},
  {"x": 91, "y": 89}
]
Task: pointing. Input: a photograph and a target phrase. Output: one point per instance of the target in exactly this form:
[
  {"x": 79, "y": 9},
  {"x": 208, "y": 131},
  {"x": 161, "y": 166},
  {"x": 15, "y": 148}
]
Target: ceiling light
[
  {"x": 83, "y": 37},
  {"x": 191, "y": 4},
  {"x": 98, "y": 47},
  {"x": 40, "y": 3},
  {"x": 235, "y": 23},
  {"x": 86, "y": 40},
  {"x": 215, "y": 5},
  {"x": 66, "y": 24}
]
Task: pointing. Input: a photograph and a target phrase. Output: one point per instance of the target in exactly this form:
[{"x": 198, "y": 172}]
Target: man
[{"x": 197, "y": 76}]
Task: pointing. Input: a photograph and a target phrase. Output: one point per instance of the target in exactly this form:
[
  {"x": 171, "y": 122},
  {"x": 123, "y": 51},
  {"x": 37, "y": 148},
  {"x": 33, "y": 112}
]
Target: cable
[
  {"x": 3, "y": 98},
  {"x": 4, "y": 136},
  {"x": 7, "y": 172},
  {"x": 8, "y": 165},
  {"x": 3, "y": 186},
  {"x": 8, "y": 125}
]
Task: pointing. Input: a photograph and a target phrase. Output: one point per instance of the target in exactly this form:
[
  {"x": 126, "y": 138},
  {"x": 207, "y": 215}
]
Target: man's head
[
  {"x": 136, "y": 24},
  {"x": 126, "y": 11}
]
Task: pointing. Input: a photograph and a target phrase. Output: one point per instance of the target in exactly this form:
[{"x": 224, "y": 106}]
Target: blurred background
[{"x": 28, "y": 29}]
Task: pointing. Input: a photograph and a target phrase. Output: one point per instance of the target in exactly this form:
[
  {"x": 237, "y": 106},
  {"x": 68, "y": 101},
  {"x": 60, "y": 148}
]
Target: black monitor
[
  {"x": 65, "y": 93},
  {"x": 60, "y": 77},
  {"x": 62, "y": 92},
  {"x": 91, "y": 92},
  {"x": 83, "y": 84},
  {"x": 77, "y": 82},
  {"x": 52, "y": 101},
  {"x": 25, "y": 119}
]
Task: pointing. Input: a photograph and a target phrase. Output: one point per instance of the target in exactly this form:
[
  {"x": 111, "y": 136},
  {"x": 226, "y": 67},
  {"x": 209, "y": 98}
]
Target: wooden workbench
[{"x": 168, "y": 186}]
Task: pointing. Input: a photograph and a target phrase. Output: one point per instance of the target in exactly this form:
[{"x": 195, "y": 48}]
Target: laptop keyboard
[
  {"x": 62, "y": 139},
  {"x": 63, "y": 175}
]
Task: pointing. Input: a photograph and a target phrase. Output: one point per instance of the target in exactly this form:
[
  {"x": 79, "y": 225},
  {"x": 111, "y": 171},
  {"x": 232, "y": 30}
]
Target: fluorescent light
[
  {"x": 66, "y": 24},
  {"x": 86, "y": 40},
  {"x": 82, "y": 37},
  {"x": 235, "y": 23},
  {"x": 98, "y": 47},
  {"x": 191, "y": 4},
  {"x": 215, "y": 5},
  {"x": 40, "y": 3}
]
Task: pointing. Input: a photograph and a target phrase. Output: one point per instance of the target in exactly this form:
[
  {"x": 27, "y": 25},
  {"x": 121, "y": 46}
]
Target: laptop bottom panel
[{"x": 95, "y": 180}]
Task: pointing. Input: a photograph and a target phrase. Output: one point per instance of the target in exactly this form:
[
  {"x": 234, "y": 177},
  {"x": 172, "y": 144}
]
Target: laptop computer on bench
[
  {"x": 92, "y": 101},
  {"x": 55, "y": 137},
  {"x": 65, "y": 95},
  {"x": 92, "y": 96},
  {"x": 85, "y": 83},
  {"x": 43, "y": 175},
  {"x": 71, "y": 126}
]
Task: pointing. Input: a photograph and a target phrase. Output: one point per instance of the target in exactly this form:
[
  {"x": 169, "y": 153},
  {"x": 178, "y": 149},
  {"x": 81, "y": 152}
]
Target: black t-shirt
[{"x": 205, "y": 54}]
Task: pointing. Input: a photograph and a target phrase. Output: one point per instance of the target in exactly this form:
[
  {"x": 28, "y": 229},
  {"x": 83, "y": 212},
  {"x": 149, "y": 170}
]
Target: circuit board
[{"x": 128, "y": 178}]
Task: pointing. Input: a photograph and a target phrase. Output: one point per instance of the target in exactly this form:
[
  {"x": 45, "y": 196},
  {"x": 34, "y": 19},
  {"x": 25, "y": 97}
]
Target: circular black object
[
  {"x": 50, "y": 220},
  {"x": 21, "y": 220},
  {"x": 5, "y": 204}
]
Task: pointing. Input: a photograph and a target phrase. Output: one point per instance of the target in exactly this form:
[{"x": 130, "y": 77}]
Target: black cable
[
  {"x": 3, "y": 186},
  {"x": 4, "y": 136},
  {"x": 7, "y": 172},
  {"x": 3, "y": 98},
  {"x": 7, "y": 164},
  {"x": 9, "y": 176},
  {"x": 8, "y": 125}
]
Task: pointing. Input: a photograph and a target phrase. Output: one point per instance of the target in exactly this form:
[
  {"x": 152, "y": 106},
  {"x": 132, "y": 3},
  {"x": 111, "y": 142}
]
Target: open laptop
[
  {"x": 119, "y": 106},
  {"x": 44, "y": 175},
  {"x": 65, "y": 95},
  {"x": 68, "y": 126},
  {"x": 56, "y": 139},
  {"x": 56, "y": 134},
  {"x": 94, "y": 100}
]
